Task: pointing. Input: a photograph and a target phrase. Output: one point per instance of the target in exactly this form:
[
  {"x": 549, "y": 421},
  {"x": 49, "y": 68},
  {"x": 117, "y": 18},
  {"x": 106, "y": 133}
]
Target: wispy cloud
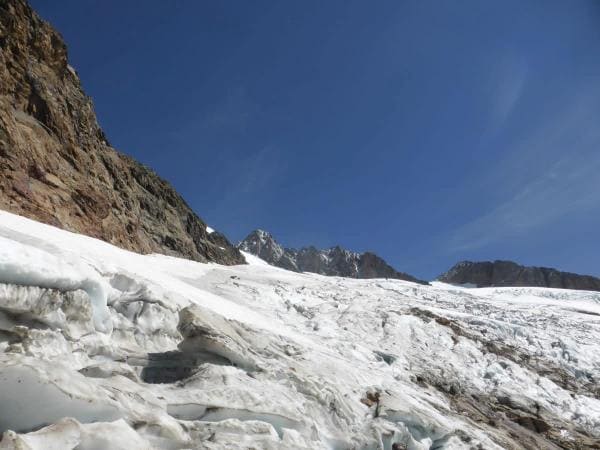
[
  {"x": 235, "y": 166},
  {"x": 232, "y": 113},
  {"x": 259, "y": 170},
  {"x": 507, "y": 82},
  {"x": 551, "y": 173},
  {"x": 248, "y": 182}
]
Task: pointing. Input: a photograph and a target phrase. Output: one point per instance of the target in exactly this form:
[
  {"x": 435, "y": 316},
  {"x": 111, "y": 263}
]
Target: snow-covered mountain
[
  {"x": 101, "y": 348},
  {"x": 508, "y": 273},
  {"x": 334, "y": 261}
]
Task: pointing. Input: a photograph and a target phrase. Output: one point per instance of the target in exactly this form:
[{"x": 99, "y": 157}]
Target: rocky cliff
[
  {"x": 508, "y": 273},
  {"x": 56, "y": 165},
  {"x": 334, "y": 261}
]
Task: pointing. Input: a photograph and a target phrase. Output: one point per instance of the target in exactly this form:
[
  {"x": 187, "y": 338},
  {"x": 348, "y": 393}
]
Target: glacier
[{"x": 102, "y": 348}]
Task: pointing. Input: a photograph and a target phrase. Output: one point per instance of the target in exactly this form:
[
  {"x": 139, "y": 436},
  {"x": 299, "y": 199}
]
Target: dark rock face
[
  {"x": 508, "y": 273},
  {"x": 334, "y": 261},
  {"x": 57, "y": 167}
]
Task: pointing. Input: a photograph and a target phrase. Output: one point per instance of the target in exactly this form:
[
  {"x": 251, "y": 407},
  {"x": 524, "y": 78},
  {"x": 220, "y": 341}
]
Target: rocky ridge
[
  {"x": 57, "y": 166},
  {"x": 508, "y": 273},
  {"x": 334, "y": 261}
]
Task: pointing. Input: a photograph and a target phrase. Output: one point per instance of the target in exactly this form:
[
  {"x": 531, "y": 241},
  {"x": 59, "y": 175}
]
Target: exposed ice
[
  {"x": 26, "y": 265},
  {"x": 104, "y": 348}
]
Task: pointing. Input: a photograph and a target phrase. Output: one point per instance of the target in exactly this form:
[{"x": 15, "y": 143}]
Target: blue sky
[{"x": 426, "y": 131}]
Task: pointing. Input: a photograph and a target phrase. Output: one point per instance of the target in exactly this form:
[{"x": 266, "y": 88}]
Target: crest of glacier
[{"x": 101, "y": 348}]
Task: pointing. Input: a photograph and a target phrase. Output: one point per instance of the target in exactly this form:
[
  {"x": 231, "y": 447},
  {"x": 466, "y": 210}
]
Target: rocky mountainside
[
  {"x": 56, "y": 165},
  {"x": 508, "y": 273},
  {"x": 334, "y": 261}
]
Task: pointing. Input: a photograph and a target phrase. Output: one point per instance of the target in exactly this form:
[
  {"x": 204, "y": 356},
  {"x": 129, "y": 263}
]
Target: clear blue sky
[{"x": 426, "y": 131}]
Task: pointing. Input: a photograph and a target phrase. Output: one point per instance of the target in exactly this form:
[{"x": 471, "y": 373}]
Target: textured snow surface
[{"x": 101, "y": 348}]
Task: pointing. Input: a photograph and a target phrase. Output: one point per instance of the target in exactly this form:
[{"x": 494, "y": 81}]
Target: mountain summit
[
  {"x": 508, "y": 273},
  {"x": 56, "y": 164},
  {"x": 334, "y": 261}
]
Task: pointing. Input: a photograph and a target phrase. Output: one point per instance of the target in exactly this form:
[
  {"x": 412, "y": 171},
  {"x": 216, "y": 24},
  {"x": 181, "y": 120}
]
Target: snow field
[{"x": 104, "y": 348}]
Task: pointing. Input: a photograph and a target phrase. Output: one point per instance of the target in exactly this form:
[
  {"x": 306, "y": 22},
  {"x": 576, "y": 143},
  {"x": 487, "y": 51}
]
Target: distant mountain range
[
  {"x": 508, "y": 273},
  {"x": 337, "y": 261},
  {"x": 334, "y": 261}
]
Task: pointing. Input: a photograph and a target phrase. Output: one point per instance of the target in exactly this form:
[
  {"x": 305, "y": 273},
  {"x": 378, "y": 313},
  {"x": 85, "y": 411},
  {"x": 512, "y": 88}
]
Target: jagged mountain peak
[
  {"x": 333, "y": 261},
  {"x": 261, "y": 234},
  {"x": 256, "y": 240}
]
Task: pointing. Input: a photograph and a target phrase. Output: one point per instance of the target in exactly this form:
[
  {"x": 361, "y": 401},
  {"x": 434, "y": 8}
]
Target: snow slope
[{"x": 101, "y": 348}]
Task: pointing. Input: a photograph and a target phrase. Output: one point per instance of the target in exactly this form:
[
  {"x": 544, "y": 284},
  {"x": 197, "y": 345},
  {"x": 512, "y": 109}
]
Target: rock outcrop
[
  {"x": 508, "y": 273},
  {"x": 56, "y": 165},
  {"x": 334, "y": 261}
]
